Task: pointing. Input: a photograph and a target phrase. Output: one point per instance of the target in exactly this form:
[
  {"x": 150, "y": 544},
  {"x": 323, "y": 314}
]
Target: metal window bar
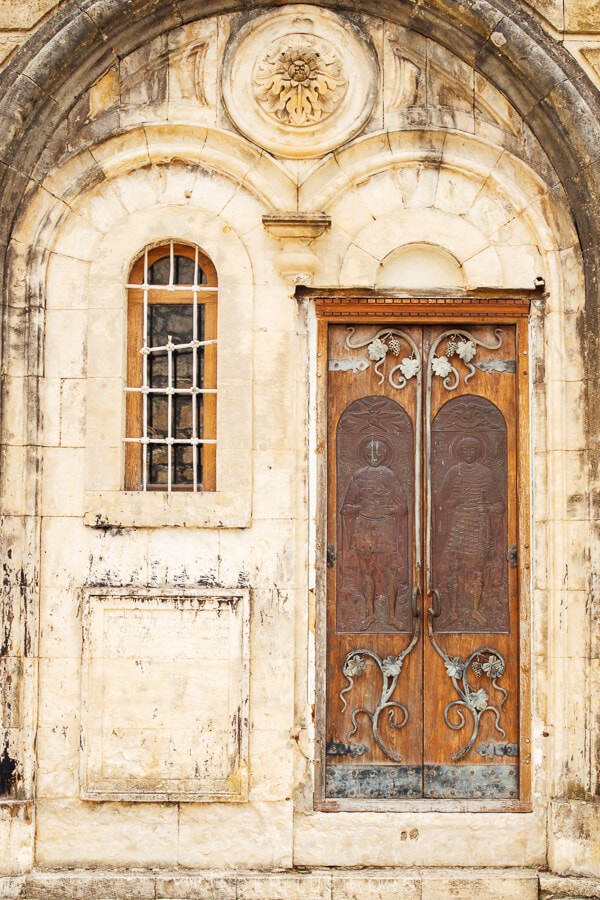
[{"x": 170, "y": 391}]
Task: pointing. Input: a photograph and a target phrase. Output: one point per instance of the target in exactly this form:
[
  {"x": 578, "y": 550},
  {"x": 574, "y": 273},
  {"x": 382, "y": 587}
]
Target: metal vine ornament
[
  {"x": 485, "y": 661},
  {"x": 461, "y": 345},
  {"x": 354, "y": 665},
  {"x": 389, "y": 341}
]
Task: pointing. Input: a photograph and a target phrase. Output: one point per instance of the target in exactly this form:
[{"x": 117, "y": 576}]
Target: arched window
[{"x": 171, "y": 371}]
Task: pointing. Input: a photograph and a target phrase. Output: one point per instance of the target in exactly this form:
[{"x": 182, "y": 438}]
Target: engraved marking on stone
[
  {"x": 354, "y": 665},
  {"x": 461, "y": 344},
  {"x": 199, "y": 74},
  {"x": 383, "y": 782},
  {"x": 496, "y": 365},
  {"x": 348, "y": 365},
  {"x": 338, "y": 748},
  {"x": 491, "y": 750},
  {"x": 299, "y": 80},
  {"x": 484, "y": 661},
  {"x": 191, "y": 60},
  {"x": 406, "y": 79}
]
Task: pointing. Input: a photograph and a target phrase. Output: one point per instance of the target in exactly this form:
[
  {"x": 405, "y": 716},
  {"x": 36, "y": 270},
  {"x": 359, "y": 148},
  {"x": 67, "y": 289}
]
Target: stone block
[
  {"x": 581, "y": 15},
  {"x": 79, "y": 886},
  {"x": 284, "y": 887},
  {"x": 274, "y": 495},
  {"x": 58, "y": 761},
  {"x": 473, "y": 885},
  {"x": 376, "y": 885},
  {"x": 62, "y": 482},
  {"x": 66, "y": 282},
  {"x": 196, "y": 887},
  {"x": 24, "y": 16},
  {"x": 269, "y": 562},
  {"x": 555, "y": 886},
  {"x": 575, "y": 841},
  {"x": 106, "y": 340},
  {"x": 72, "y": 419},
  {"x": 12, "y": 888},
  {"x": 71, "y": 833},
  {"x": 65, "y": 343},
  {"x": 16, "y": 840},
  {"x": 59, "y": 698},
  {"x": 224, "y": 836}
]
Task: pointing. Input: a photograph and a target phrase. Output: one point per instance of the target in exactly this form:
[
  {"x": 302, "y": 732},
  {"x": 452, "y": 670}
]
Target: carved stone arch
[{"x": 507, "y": 46}]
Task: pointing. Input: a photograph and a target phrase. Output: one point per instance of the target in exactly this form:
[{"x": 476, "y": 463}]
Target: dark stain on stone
[
  {"x": 8, "y": 774},
  {"x": 207, "y": 581},
  {"x": 243, "y": 579}
]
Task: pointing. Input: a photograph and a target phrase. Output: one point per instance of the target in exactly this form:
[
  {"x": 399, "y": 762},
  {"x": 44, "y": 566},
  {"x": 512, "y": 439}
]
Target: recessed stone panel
[{"x": 165, "y": 695}]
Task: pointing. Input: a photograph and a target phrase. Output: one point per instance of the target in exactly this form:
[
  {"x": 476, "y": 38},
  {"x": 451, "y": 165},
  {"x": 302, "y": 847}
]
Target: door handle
[
  {"x": 436, "y": 603},
  {"x": 415, "y": 602}
]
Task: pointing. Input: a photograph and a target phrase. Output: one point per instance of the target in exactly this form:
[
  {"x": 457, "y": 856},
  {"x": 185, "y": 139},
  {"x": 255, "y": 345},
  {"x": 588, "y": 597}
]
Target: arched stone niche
[
  {"x": 419, "y": 265},
  {"x": 475, "y": 199}
]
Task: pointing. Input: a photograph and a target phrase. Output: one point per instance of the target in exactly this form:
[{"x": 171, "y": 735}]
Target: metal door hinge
[
  {"x": 331, "y": 556},
  {"x": 512, "y": 556}
]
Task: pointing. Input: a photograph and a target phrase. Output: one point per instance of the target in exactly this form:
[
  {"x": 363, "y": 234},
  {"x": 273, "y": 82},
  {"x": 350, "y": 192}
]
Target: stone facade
[{"x": 371, "y": 147}]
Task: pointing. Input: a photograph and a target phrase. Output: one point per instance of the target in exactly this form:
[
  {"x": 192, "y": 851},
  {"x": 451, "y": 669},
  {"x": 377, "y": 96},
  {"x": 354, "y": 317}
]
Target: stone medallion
[{"x": 299, "y": 82}]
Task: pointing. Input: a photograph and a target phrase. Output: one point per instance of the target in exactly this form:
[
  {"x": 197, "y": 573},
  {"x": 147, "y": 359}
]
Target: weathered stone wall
[{"x": 162, "y": 139}]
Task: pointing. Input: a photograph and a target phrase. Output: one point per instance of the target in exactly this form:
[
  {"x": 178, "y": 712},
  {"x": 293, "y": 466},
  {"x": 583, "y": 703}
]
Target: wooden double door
[{"x": 423, "y": 530}]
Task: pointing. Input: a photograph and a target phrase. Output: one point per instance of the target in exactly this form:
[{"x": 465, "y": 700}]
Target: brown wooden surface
[
  {"x": 488, "y": 611},
  {"x": 487, "y": 601},
  {"x": 362, "y": 412}
]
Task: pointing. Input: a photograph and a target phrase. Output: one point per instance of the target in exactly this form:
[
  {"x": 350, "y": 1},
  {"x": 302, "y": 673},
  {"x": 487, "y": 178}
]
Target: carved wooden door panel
[{"x": 422, "y": 594}]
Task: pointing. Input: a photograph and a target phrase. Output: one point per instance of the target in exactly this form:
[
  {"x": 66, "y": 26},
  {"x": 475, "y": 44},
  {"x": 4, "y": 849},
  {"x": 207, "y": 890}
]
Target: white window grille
[{"x": 173, "y": 371}]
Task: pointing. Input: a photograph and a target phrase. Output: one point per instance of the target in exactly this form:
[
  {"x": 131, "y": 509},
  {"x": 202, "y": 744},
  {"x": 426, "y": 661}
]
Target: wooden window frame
[
  {"x": 373, "y": 307},
  {"x": 139, "y": 291}
]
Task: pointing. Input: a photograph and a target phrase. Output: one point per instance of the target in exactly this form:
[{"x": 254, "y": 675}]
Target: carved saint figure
[
  {"x": 470, "y": 505},
  {"x": 374, "y": 528}
]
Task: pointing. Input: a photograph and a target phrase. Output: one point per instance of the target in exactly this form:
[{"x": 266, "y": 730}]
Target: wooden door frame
[{"x": 365, "y": 306}]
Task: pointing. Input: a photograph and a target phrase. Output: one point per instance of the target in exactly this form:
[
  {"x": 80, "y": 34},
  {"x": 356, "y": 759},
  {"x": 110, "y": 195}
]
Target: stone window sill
[{"x": 132, "y": 509}]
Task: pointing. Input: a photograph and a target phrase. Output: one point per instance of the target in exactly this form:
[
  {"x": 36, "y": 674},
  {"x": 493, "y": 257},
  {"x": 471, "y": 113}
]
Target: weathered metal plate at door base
[
  {"x": 473, "y": 782},
  {"x": 373, "y": 782}
]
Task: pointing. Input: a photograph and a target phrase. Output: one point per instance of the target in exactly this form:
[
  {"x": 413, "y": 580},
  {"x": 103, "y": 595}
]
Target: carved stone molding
[
  {"x": 296, "y": 263},
  {"x": 299, "y": 82}
]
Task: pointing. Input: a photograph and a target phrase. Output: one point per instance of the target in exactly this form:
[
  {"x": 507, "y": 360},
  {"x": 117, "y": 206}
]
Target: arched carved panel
[
  {"x": 469, "y": 541},
  {"x": 375, "y": 484}
]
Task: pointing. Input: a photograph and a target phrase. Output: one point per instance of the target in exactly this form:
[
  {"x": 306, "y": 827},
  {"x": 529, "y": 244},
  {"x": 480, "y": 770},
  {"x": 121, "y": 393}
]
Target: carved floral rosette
[{"x": 298, "y": 81}]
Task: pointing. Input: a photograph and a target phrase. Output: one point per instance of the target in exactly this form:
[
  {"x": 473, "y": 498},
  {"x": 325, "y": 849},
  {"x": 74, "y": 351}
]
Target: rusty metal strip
[
  {"x": 373, "y": 782},
  {"x": 485, "y": 782}
]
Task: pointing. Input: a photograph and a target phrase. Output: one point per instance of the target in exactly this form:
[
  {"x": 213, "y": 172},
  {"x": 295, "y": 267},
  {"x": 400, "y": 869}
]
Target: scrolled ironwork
[
  {"x": 389, "y": 341},
  {"x": 483, "y": 661},
  {"x": 355, "y": 663},
  {"x": 463, "y": 344}
]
